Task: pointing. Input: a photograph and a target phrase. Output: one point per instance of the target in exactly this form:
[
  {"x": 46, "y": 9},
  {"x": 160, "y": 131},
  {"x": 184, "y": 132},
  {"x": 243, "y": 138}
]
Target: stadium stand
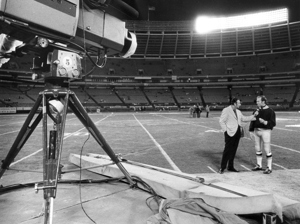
[
  {"x": 102, "y": 95},
  {"x": 279, "y": 95},
  {"x": 187, "y": 96},
  {"x": 132, "y": 96},
  {"x": 172, "y": 63}
]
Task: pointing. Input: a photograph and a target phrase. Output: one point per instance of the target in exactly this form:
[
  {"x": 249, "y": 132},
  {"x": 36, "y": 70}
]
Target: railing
[{"x": 179, "y": 40}]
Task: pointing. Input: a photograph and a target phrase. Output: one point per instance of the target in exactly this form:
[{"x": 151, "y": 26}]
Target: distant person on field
[
  {"x": 230, "y": 122},
  {"x": 194, "y": 111},
  {"x": 198, "y": 111},
  {"x": 200, "y": 107},
  {"x": 191, "y": 111},
  {"x": 261, "y": 130},
  {"x": 207, "y": 109}
]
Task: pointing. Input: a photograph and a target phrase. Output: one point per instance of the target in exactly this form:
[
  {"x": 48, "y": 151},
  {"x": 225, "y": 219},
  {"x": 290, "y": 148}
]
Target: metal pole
[{"x": 51, "y": 210}]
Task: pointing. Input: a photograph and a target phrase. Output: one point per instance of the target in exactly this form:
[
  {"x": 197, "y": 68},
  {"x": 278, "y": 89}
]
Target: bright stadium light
[{"x": 207, "y": 24}]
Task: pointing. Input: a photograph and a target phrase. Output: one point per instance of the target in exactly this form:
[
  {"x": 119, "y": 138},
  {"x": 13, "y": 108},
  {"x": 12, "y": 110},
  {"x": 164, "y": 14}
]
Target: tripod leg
[
  {"x": 23, "y": 136},
  {"x": 82, "y": 115},
  {"x": 46, "y": 211},
  {"x": 52, "y": 157}
]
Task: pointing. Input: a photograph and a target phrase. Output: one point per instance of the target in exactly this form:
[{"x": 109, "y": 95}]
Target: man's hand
[{"x": 263, "y": 121}]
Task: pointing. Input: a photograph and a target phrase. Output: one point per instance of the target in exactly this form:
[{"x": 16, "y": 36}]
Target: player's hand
[{"x": 263, "y": 121}]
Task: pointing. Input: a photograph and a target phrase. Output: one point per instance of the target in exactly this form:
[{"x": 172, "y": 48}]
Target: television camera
[{"x": 60, "y": 33}]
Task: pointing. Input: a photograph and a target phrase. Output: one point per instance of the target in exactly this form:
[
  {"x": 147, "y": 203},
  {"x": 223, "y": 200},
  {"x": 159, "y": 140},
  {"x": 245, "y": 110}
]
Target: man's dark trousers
[{"x": 231, "y": 145}]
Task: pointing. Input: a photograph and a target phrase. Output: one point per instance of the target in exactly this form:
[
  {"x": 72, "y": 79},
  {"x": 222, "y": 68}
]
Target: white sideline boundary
[
  {"x": 69, "y": 135},
  {"x": 159, "y": 147}
]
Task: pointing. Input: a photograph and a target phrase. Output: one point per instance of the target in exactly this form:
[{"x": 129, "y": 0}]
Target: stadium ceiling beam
[
  {"x": 250, "y": 75},
  {"x": 23, "y": 75},
  {"x": 196, "y": 84},
  {"x": 9, "y": 80}
]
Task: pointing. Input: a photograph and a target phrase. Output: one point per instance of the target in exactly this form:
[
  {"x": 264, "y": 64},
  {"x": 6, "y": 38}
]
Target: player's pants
[{"x": 262, "y": 139}]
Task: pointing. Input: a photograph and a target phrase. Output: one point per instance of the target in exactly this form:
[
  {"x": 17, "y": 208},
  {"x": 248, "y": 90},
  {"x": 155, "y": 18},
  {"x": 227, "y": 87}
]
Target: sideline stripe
[
  {"x": 159, "y": 147},
  {"x": 11, "y": 123},
  {"x": 245, "y": 167},
  {"x": 280, "y": 166},
  {"x": 285, "y": 129},
  {"x": 69, "y": 135},
  {"x": 6, "y": 133},
  {"x": 9, "y": 132},
  {"x": 293, "y": 150},
  {"x": 212, "y": 169},
  {"x": 189, "y": 123}
]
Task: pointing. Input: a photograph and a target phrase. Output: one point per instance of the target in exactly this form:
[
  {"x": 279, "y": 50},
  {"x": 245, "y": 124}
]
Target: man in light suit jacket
[{"x": 230, "y": 122}]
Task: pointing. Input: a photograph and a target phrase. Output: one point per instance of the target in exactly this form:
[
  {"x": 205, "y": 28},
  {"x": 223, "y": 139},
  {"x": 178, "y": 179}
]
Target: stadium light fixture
[{"x": 205, "y": 24}]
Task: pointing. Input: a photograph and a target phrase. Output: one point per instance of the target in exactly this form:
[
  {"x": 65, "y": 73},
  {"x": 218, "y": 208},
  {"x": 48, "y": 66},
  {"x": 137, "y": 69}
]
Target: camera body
[
  {"x": 60, "y": 17},
  {"x": 65, "y": 25}
]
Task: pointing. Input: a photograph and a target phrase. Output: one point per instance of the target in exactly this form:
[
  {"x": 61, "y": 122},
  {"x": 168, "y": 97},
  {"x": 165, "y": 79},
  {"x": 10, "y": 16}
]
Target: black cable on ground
[
  {"x": 81, "y": 204},
  {"x": 9, "y": 188}
]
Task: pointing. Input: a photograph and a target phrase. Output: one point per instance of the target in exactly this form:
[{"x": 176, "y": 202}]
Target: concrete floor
[
  {"x": 108, "y": 203},
  {"x": 115, "y": 202}
]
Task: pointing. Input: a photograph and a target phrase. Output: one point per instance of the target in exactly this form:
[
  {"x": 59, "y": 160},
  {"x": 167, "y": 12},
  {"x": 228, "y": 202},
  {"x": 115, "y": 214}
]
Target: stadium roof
[{"x": 181, "y": 10}]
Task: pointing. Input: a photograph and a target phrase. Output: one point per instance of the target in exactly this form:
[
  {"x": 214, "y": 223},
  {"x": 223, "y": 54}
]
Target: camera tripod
[{"x": 56, "y": 90}]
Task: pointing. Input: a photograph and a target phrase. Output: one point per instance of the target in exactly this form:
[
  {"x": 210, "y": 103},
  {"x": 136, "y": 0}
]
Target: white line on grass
[
  {"x": 280, "y": 166},
  {"x": 189, "y": 123},
  {"x": 6, "y": 133},
  {"x": 212, "y": 169},
  {"x": 69, "y": 135},
  {"x": 11, "y": 123},
  {"x": 159, "y": 147},
  {"x": 285, "y": 129},
  {"x": 292, "y": 150},
  {"x": 245, "y": 167},
  {"x": 9, "y": 132}
]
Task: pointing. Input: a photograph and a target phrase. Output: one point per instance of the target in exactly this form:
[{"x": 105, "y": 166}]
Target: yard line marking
[
  {"x": 9, "y": 132},
  {"x": 280, "y": 166},
  {"x": 23, "y": 122},
  {"x": 293, "y": 126},
  {"x": 212, "y": 169},
  {"x": 165, "y": 113},
  {"x": 11, "y": 123},
  {"x": 32, "y": 154},
  {"x": 159, "y": 147},
  {"x": 69, "y": 135},
  {"x": 189, "y": 123},
  {"x": 245, "y": 167},
  {"x": 292, "y": 150},
  {"x": 71, "y": 119},
  {"x": 285, "y": 129}
]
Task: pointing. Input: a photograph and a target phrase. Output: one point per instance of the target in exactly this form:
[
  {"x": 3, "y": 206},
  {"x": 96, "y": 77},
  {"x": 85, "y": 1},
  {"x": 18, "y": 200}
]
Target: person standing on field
[
  {"x": 262, "y": 128},
  {"x": 230, "y": 122}
]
